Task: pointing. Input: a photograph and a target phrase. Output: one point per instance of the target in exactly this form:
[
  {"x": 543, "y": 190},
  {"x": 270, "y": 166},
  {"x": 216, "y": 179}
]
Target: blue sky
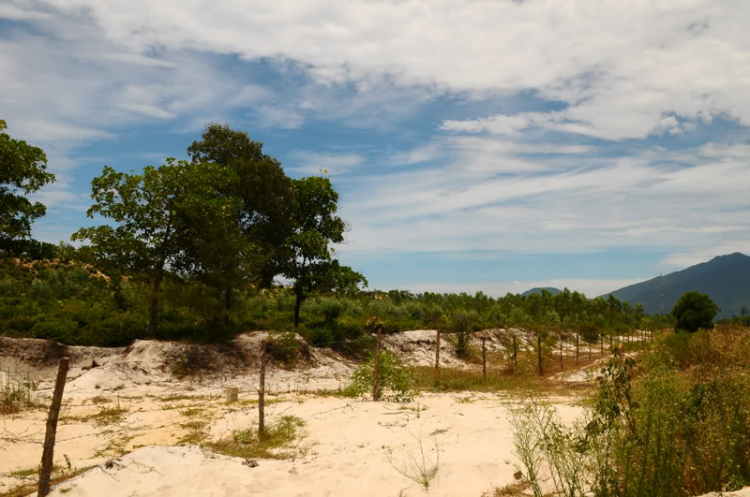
[{"x": 477, "y": 145}]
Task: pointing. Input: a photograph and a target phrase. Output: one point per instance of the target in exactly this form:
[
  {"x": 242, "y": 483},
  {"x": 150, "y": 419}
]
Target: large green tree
[
  {"x": 308, "y": 255},
  {"x": 155, "y": 213},
  {"x": 694, "y": 311},
  {"x": 263, "y": 217},
  {"x": 23, "y": 170}
]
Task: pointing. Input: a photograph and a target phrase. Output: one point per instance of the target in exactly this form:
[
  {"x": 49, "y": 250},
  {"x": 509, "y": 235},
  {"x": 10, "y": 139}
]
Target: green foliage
[
  {"x": 23, "y": 170},
  {"x": 285, "y": 348},
  {"x": 392, "y": 376},
  {"x": 155, "y": 213},
  {"x": 307, "y": 255},
  {"x": 275, "y": 443},
  {"x": 694, "y": 311},
  {"x": 243, "y": 246},
  {"x": 653, "y": 431}
]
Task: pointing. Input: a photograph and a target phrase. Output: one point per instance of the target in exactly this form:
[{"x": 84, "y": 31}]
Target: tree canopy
[
  {"x": 694, "y": 311},
  {"x": 23, "y": 170},
  {"x": 244, "y": 248},
  {"x": 155, "y": 212},
  {"x": 307, "y": 252}
]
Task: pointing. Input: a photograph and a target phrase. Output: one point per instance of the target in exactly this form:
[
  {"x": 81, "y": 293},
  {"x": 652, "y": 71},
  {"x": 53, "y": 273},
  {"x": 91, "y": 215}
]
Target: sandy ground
[{"x": 348, "y": 447}]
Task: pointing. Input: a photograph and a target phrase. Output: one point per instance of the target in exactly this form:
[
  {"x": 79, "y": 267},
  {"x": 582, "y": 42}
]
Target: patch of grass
[
  {"x": 193, "y": 425},
  {"x": 252, "y": 402},
  {"x": 119, "y": 387},
  {"x": 510, "y": 490},
  {"x": 29, "y": 488},
  {"x": 459, "y": 380},
  {"x": 105, "y": 416},
  {"x": 26, "y": 473},
  {"x": 116, "y": 447},
  {"x": 273, "y": 444},
  {"x": 175, "y": 398},
  {"x": 193, "y": 412},
  {"x": 193, "y": 438},
  {"x": 100, "y": 399}
]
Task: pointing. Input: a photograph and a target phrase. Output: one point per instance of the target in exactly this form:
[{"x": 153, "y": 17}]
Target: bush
[
  {"x": 694, "y": 311},
  {"x": 392, "y": 376}
]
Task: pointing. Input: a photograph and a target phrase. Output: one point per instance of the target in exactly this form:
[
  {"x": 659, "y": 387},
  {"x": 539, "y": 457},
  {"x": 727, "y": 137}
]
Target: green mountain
[
  {"x": 725, "y": 278},
  {"x": 550, "y": 289}
]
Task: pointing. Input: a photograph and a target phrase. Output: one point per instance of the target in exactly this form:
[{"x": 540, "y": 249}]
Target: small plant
[
  {"x": 419, "y": 468},
  {"x": 392, "y": 375},
  {"x": 16, "y": 393},
  {"x": 248, "y": 443}
]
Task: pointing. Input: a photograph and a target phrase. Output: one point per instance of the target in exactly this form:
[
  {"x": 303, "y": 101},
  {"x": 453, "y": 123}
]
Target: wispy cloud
[{"x": 325, "y": 162}]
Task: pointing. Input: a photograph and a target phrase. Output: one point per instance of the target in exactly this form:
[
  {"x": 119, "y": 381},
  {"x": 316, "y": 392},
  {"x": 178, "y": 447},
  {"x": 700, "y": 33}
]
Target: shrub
[
  {"x": 391, "y": 374},
  {"x": 284, "y": 348}
]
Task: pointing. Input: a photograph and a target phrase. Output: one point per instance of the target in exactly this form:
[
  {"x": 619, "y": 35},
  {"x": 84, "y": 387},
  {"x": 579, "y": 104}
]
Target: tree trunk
[
  {"x": 154, "y": 311},
  {"x": 297, "y": 305}
]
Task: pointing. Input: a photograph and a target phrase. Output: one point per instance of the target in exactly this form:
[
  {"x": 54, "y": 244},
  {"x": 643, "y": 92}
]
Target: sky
[{"x": 477, "y": 145}]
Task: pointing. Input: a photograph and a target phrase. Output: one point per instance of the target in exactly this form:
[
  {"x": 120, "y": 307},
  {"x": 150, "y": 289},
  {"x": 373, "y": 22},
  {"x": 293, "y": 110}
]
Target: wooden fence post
[
  {"x": 515, "y": 354},
  {"x": 561, "y": 353},
  {"x": 45, "y": 470},
  {"x": 262, "y": 390},
  {"x": 376, "y": 382},
  {"x": 484, "y": 360},
  {"x": 539, "y": 349},
  {"x": 577, "y": 348},
  {"x": 437, "y": 358},
  {"x": 601, "y": 350}
]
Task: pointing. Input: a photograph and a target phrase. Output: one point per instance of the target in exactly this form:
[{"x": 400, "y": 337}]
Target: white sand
[{"x": 346, "y": 442}]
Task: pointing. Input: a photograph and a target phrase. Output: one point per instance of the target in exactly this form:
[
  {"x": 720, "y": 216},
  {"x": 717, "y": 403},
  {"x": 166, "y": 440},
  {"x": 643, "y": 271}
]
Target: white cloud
[
  {"x": 621, "y": 67},
  {"x": 577, "y": 204}
]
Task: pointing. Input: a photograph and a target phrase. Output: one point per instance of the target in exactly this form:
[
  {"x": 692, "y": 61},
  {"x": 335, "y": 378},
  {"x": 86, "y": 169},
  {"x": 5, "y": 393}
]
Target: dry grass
[{"x": 17, "y": 392}]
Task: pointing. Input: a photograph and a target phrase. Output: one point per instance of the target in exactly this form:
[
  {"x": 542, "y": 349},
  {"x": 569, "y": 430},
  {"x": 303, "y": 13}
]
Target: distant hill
[
  {"x": 552, "y": 290},
  {"x": 725, "y": 278}
]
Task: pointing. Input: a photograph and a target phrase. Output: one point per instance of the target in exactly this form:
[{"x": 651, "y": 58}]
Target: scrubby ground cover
[{"x": 675, "y": 422}]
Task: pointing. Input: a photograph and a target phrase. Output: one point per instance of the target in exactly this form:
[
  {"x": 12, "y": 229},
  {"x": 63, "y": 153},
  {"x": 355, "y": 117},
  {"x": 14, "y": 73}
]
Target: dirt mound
[{"x": 417, "y": 347}]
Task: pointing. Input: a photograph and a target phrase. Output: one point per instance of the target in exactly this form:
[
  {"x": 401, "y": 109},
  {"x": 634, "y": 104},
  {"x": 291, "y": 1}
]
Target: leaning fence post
[
  {"x": 262, "y": 390},
  {"x": 45, "y": 470},
  {"x": 484, "y": 360},
  {"x": 376, "y": 381},
  {"x": 437, "y": 358}
]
